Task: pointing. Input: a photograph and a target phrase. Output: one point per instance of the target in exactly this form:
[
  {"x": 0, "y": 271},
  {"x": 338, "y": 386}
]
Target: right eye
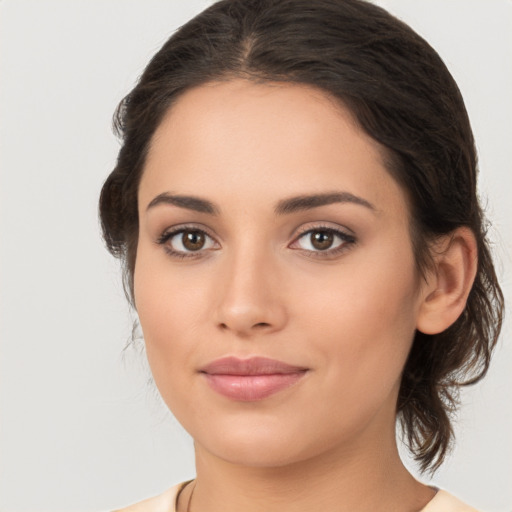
[{"x": 186, "y": 242}]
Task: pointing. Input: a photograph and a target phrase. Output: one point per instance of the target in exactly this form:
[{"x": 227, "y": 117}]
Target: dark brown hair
[{"x": 400, "y": 92}]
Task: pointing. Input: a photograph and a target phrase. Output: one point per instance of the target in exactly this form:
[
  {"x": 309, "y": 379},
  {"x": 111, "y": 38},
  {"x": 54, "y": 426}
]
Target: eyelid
[
  {"x": 345, "y": 234},
  {"x": 328, "y": 226},
  {"x": 172, "y": 231}
]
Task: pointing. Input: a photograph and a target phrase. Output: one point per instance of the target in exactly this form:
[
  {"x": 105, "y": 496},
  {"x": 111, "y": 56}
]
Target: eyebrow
[
  {"x": 189, "y": 202},
  {"x": 283, "y": 207},
  {"x": 306, "y": 202}
]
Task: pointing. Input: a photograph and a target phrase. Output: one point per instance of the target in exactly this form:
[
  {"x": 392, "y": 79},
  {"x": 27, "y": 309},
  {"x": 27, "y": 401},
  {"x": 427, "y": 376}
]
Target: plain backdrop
[{"x": 80, "y": 427}]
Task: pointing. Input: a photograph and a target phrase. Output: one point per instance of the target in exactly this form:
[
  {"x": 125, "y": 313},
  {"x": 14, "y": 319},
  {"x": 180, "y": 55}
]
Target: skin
[{"x": 260, "y": 287}]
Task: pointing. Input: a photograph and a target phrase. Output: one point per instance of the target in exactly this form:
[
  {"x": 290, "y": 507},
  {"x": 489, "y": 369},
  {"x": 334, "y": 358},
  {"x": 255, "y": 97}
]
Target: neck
[{"x": 362, "y": 478}]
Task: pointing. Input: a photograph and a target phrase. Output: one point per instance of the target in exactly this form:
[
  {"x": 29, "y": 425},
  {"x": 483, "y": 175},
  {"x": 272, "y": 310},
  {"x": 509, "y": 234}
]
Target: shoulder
[
  {"x": 164, "y": 502},
  {"x": 443, "y": 501}
]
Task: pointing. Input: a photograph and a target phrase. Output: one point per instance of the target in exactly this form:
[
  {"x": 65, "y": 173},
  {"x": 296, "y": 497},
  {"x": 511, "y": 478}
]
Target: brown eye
[
  {"x": 193, "y": 240},
  {"x": 187, "y": 241},
  {"x": 322, "y": 240}
]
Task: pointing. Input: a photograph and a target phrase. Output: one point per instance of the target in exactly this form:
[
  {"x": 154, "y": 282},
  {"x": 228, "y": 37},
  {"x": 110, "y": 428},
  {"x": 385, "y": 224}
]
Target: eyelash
[
  {"x": 167, "y": 235},
  {"x": 348, "y": 241}
]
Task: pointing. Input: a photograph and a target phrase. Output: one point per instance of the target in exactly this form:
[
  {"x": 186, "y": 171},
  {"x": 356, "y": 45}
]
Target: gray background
[{"x": 80, "y": 429}]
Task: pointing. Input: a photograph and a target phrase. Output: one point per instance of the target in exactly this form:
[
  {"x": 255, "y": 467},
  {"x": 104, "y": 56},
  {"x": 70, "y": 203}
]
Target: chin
[
  {"x": 257, "y": 455},
  {"x": 258, "y": 446}
]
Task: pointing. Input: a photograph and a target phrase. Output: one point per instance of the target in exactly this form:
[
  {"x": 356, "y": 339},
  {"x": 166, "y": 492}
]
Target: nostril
[{"x": 262, "y": 324}]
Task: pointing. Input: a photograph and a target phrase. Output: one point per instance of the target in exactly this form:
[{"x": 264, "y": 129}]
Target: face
[{"x": 270, "y": 228}]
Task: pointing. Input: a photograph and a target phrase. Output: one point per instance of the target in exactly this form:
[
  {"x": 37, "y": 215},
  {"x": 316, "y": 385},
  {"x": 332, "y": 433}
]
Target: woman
[{"x": 295, "y": 204}]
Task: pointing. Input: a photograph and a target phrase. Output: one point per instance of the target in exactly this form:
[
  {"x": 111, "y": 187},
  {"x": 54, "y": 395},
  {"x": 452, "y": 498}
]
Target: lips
[{"x": 251, "y": 379}]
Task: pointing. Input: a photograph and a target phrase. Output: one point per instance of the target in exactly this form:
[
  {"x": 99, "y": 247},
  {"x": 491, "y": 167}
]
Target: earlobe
[{"x": 450, "y": 281}]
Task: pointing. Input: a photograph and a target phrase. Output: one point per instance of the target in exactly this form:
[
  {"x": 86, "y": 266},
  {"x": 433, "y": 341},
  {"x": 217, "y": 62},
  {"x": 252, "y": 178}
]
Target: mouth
[{"x": 251, "y": 379}]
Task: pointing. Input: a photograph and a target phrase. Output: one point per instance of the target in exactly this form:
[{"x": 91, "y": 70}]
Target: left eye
[
  {"x": 187, "y": 240},
  {"x": 320, "y": 240}
]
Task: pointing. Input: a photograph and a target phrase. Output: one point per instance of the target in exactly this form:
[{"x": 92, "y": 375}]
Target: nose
[{"x": 249, "y": 298}]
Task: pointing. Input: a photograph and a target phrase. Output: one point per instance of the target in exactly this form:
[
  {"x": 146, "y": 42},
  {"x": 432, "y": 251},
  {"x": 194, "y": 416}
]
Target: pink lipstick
[{"x": 250, "y": 379}]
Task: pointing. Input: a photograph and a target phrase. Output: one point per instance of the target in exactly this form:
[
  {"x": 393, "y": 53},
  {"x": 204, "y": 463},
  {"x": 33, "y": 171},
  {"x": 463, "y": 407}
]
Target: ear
[{"x": 449, "y": 282}]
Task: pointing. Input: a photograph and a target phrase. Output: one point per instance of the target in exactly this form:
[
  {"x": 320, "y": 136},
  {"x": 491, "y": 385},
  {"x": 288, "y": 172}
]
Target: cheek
[
  {"x": 167, "y": 316},
  {"x": 168, "y": 309},
  {"x": 362, "y": 321},
  {"x": 167, "y": 299}
]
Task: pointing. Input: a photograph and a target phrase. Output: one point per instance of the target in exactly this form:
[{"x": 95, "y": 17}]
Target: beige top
[{"x": 166, "y": 502}]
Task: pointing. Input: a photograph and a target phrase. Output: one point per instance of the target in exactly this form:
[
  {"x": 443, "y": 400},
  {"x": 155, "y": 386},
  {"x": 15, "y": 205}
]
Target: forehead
[{"x": 268, "y": 139}]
